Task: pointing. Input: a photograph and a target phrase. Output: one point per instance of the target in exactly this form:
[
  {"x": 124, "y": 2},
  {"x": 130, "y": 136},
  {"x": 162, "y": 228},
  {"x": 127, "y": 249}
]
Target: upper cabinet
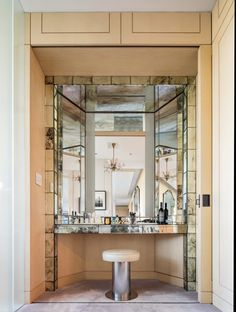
[
  {"x": 68, "y": 29},
  {"x": 123, "y": 29},
  {"x": 166, "y": 28}
]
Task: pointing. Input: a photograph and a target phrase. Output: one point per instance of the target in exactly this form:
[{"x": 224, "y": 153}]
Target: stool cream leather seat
[
  {"x": 120, "y": 255},
  {"x": 121, "y": 259}
]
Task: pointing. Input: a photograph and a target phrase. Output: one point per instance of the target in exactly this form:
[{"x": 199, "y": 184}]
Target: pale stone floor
[{"x": 88, "y": 296}]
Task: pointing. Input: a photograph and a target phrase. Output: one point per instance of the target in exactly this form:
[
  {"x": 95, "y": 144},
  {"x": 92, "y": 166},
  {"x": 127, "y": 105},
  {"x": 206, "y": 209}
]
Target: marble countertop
[{"x": 147, "y": 228}]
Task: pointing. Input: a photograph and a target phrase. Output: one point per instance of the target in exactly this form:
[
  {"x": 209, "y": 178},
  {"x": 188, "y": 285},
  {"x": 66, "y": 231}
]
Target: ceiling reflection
[
  {"x": 120, "y": 108},
  {"x": 121, "y": 98}
]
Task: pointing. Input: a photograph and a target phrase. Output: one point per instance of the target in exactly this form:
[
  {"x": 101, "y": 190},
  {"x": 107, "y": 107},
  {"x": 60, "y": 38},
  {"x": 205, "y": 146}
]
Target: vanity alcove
[{"x": 150, "y": 120}]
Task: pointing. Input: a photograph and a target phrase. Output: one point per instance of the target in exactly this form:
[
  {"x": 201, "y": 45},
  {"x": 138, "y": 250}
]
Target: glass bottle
[
  {"x": 161, "y": 214},
  {"x": 165, "y": 213}
]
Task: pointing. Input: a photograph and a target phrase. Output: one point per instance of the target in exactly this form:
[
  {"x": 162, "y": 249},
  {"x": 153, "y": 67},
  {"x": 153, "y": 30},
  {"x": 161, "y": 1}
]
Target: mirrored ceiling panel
[
  {"x": 74, "y": 93},
  {"x": 120, "y": 98},
  {"x": 73, "y": 124},
  {"x": 165, "y": 94},
  {"x": 120, "y": 122}
]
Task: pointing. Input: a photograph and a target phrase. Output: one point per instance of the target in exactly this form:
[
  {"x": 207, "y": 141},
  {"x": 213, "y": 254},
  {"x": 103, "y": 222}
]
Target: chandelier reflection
[
  {"x": 167, "y": 174},
  {"x": 113, "y": 164}
]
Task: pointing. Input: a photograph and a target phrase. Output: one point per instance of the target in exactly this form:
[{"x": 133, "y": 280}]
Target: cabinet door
[
  {"x": 75, "y": 29},
  {"x": 142, "y": 28}
]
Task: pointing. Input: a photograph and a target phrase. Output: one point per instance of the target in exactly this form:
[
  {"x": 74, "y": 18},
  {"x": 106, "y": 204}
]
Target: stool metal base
[
  {"x": 121, "y": 283},
  {"x": 132, "y": 295}
]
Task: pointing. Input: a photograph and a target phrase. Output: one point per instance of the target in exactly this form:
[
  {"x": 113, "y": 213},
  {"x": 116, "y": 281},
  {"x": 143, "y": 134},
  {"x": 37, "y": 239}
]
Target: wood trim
[
  {"x": 222, "y": 304},
  {"x": 33, "y": 294},
  {"x": 205, "y": 296},
  {"x": 27, "y": 28},
  {"x": 173, "y": 280},
  {"x": 221, "y": 17},
  {"x": 54, "y": 35},
  {"x": 221, "y": 4},
  {"x": 104, "y": 275},
  {"x": 98, "y": 275},
  {"x": 132, "y": 34},
  {"x": 101, "y": 275},
  {"x": 70, "y": 279},
  {"x": 203, "y": 215},
  {"x": 223, "y": 107},
  {"x": 138, "y": 28},
  {"x": 166, "y": 22},
  {"x": 75, "y": 22},
  {"x": 27, "y": 171}
]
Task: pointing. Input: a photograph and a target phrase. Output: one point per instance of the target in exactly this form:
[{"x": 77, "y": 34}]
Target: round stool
[{"x": 121, "y": 258}]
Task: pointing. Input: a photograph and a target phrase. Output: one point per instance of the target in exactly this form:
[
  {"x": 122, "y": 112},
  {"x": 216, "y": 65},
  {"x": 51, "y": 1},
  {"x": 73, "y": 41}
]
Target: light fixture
[
  {"x": 113, "y": 164},
  {"x": 166, "y": 173},
  {"x": 76, "y": 178}
]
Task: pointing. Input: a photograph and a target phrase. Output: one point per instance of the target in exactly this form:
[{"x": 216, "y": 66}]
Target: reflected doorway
[{"x": 121, "y": 185}]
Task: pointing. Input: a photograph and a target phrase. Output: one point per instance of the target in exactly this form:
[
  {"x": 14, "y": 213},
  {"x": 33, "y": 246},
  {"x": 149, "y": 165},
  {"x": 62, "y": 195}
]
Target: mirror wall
[
  {"x": 168, "y": 154},
  {"x": 119, "y": 150},
  {"x": 71, "y": 156}
]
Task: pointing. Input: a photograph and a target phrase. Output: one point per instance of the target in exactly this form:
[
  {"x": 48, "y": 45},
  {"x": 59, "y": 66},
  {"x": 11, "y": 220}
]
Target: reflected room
[{"x": 120, "y": 153}]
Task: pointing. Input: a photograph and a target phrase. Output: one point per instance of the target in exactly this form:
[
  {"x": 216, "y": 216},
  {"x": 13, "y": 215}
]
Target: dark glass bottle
[
  {"x": 161, "y": 214},
  {"x": 165, "y": 213}
]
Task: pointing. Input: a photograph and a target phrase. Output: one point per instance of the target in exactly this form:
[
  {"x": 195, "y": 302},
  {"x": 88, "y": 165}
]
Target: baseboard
[
  {"x": 144, "y": 275},
  {"x": 97, "y": 275},
  {"x": 33, "y": 294},
  {"x": 205, "y": 297},
  {"x": 222, "y": 304},
  {"x": 71, "y": 279},
  {"x": 173, "y": 280},
  {"x": 104, "y": 275}
]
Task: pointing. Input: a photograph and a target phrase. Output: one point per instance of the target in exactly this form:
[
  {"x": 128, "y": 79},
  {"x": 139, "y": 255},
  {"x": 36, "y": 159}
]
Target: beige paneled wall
[
  {"x": 118, "y": 61},
  {"x": 37, "y": 193},
  {"x": 169, "y": 258},
  {"x": 130, "y": 28},
  {"x": 166, "y": 28},
  {"x": 71, "y": 258},
  {"x": 204, "y": 174},
  {"x": 80, "y": 256},
  {"x": 223, "y": 108},
  {"x": 223, "y": 9},
  {"x": 70, "y": 29},
  {"x": 95, "y": 244}
]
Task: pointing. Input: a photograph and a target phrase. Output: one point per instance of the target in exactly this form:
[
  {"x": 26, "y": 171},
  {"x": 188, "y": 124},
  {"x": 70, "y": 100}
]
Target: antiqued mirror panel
[
  {"x": 71, "y": 156},
  {"x": 120, "y": 151},
  {"x": 168, "y": 157}
]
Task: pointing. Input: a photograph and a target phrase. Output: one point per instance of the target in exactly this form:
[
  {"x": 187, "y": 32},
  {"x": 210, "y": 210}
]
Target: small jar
[
  {"x": 107, "y": 220},
  {"x": 113, "y": 220}
]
